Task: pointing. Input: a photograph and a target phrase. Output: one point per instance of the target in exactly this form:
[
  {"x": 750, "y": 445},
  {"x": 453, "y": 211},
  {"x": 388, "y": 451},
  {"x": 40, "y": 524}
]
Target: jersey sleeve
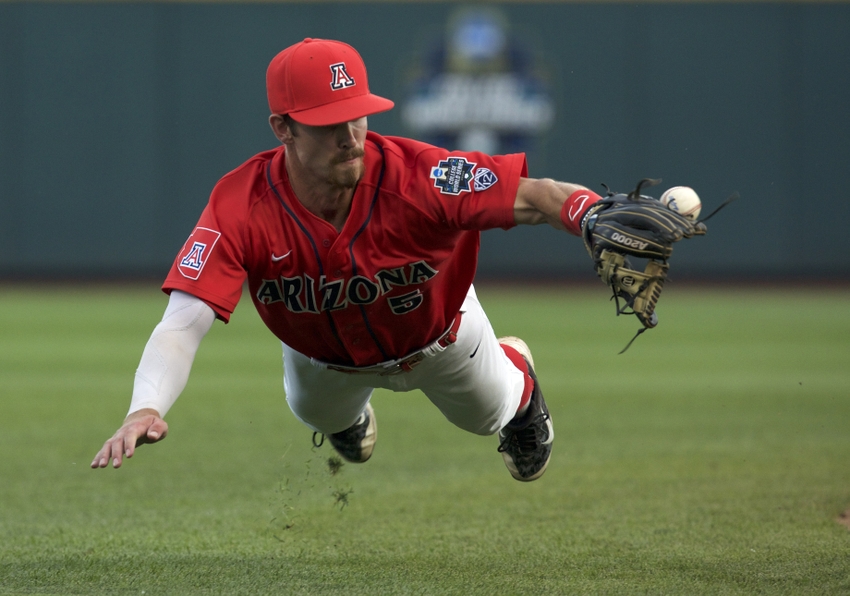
[
  {"x": 465, "y": 190},
  {"x": 493, "y": 186},
  {"x": 210, "y": 266}
]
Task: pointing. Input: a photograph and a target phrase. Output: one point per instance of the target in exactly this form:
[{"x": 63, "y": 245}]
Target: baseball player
[{"x": 359, "y": 252}]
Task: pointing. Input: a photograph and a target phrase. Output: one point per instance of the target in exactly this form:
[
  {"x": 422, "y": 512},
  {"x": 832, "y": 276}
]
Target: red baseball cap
[{"x": 320, "y": 82}]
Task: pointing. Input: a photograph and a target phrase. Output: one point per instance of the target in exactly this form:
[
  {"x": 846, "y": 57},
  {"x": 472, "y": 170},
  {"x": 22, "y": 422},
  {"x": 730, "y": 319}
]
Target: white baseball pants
[{"x": 472, "y": 382}]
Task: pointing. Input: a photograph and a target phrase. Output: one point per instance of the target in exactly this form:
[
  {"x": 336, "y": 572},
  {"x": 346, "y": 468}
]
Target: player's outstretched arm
[
  {"x": 161, "y": 376},
  {"x": 140, "y": 427},
  {"x": 541, "y": 200}
]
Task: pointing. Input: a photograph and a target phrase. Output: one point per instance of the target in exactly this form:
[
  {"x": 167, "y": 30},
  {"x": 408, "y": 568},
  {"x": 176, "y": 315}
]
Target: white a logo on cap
[{"x": 340, "y": 79}]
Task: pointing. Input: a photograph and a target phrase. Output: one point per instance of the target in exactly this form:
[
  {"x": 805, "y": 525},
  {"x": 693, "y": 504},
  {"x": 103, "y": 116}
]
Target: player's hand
[{"x": 143, "y": 426}]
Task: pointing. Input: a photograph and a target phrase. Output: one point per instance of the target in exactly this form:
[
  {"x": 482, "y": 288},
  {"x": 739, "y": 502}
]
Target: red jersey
[{"x": 385, "y": 286}]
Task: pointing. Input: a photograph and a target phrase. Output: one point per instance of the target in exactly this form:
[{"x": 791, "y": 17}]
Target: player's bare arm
[
  {"x": 540, "y": 200},
  {"x": 140, "y": 427}
]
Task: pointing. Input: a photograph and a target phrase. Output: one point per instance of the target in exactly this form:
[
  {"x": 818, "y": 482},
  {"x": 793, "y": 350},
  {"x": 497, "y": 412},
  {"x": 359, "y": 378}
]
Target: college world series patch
[{"x": 453, "y": 175}]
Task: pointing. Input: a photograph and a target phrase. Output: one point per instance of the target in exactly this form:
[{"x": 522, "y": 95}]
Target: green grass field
[{"x": 711, "y": 458}]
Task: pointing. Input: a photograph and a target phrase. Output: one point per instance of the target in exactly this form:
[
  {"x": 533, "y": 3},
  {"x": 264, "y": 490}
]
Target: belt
[{"x": 406, "y": 364}]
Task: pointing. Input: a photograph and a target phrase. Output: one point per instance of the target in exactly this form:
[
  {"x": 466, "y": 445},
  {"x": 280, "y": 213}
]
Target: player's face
[{"x": 332, "y": 154}]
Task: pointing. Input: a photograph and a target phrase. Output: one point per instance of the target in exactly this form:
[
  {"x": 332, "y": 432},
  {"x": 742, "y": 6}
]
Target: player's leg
[
  {"x": 485, "y": 385},
  {"x": 332, "y": 403},
  {"x": 472, "y": 382},
  {"x": 526, "y": 441}
]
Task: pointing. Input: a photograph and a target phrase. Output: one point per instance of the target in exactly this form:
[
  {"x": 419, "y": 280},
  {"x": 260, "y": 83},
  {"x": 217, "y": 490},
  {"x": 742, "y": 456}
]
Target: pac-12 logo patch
[
  {"x": 197, "y": 251},
  {"x": 453, "y": 175},
  {"x": 484, "y": 179}
]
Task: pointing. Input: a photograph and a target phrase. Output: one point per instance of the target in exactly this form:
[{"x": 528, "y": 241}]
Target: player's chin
[{"x": 348, "y": 174}]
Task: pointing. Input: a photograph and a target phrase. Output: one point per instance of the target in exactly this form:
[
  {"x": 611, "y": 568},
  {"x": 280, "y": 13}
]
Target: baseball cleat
[
  {"x": 526, "y": 441},
  {"x": 355, "y": 444}
]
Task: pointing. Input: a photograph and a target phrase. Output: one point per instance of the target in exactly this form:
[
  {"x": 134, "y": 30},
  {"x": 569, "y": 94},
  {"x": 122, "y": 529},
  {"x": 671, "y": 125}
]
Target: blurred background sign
[
  {"x": 477, "y": 87},
  {"x": 117, "y": 119}
]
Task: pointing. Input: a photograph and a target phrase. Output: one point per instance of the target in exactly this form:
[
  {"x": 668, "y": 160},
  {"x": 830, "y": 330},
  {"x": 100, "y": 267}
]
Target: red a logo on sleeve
[{"x": 197, "y": 251}]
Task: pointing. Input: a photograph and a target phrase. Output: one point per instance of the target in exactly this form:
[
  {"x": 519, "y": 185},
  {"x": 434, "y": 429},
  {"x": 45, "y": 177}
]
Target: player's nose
[{"x": 345, "y": 134}]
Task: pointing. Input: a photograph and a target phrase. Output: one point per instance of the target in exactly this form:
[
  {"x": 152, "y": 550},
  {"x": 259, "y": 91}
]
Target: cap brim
[{"x": 344, "y": 110}]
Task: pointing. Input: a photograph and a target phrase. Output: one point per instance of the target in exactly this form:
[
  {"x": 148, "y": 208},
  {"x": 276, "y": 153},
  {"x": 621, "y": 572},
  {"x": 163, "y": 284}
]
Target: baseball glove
[{"x": 634, "y": 225}]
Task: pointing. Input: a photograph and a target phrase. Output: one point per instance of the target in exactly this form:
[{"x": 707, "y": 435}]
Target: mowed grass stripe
[{"x": 711, "y": 458}]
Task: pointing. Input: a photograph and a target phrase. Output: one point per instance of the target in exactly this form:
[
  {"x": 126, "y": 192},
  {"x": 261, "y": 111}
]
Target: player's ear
[{"x": 281, "y": 128}]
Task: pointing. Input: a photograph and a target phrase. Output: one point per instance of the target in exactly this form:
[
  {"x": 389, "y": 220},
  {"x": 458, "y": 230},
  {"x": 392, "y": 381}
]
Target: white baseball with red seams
[{"x": 683, "y": 200}]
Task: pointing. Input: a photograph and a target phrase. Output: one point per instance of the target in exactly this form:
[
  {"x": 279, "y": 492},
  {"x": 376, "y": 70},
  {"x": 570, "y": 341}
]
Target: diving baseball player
[{"x": 359, "y": 252}]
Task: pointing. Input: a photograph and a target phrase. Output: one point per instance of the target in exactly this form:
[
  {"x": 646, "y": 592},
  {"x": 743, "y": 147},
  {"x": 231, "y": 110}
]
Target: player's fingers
[
  {"x": 117, "y": 452},
  {"x": 129, "y": 445},
  {"x": 136, "y": 431},
  {"x": 157, "y": 430},
  {"x": 125, "y": 441},
  {"x": 101, "y": 460},
  {"x": 153, "y": 433},
  {"x": 106, "y": 453},
  {"x": 136, "y": 434}
]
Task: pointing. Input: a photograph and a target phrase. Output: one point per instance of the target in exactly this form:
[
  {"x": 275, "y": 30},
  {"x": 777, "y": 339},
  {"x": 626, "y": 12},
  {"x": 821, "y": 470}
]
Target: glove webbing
[{"x": 640, "y": 290}]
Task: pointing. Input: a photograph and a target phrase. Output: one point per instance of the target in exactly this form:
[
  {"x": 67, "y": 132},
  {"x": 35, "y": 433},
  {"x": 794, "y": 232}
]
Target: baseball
[{"x": 683, "y": 200}]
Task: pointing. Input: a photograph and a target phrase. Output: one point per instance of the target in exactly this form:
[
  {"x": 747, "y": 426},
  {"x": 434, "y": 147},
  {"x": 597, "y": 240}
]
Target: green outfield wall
[{"x": 116, "y": 119}]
